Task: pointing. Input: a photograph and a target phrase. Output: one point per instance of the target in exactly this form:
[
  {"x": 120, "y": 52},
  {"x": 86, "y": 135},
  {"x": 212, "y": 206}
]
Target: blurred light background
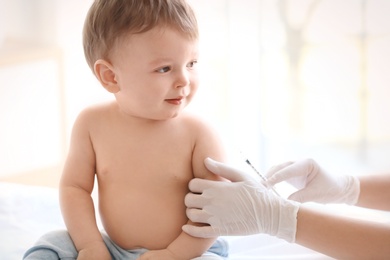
[{"x": 280, "y": 79}]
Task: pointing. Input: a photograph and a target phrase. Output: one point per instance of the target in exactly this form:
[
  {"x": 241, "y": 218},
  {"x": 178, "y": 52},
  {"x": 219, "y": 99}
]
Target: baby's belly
[{"x": 139, "y": 217}]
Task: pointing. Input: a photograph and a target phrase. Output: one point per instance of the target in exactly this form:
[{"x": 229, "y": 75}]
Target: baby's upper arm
[
  {"x": 79, "y": 169},
  {"x": 208, "y": 144}
]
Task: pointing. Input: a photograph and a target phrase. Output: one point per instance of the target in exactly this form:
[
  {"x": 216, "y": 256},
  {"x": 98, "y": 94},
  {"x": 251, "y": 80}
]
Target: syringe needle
[{"x": 261, "y": 176}]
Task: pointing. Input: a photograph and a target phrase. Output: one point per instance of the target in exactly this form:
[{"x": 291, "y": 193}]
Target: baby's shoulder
[
  {"x": 97, "y": 109},
  {"x": 94, "y": 114},
  {"x": 196, "y": 122}
]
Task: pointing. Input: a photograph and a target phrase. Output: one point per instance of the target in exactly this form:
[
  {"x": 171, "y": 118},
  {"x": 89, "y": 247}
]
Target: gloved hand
[
  {"x": 314, "y": 184},
  {"x": 241, "y": 207}
]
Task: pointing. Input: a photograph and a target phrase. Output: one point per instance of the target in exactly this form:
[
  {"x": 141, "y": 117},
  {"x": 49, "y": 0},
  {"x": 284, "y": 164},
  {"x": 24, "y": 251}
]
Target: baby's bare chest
[{"x": 162, "y": 158}]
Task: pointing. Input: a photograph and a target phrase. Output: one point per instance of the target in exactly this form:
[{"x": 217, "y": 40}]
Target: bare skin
[
  {"x": 374, "y": 192},
  {"x": 143, "y": 149}
]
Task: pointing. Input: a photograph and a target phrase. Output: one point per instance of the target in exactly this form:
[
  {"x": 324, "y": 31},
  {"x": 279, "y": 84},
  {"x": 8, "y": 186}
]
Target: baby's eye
[
  {"x": 164, "y": 69},
  {"x": 192, "y": 64}
]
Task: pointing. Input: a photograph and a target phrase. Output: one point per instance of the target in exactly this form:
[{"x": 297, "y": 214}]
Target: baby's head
[{"x": 110, "y": 21}]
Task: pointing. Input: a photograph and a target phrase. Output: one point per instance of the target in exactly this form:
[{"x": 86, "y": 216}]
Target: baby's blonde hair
[{"x": 108, "y": 20}]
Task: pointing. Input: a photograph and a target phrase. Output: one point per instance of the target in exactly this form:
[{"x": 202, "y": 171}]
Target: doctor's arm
[
  {"x": 341, "y": 237},
  {"x": 374, "y": 192}
]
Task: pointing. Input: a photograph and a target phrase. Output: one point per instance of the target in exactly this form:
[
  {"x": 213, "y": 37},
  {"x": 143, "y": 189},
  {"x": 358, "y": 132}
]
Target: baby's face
[{"x": 156, "y": 73}]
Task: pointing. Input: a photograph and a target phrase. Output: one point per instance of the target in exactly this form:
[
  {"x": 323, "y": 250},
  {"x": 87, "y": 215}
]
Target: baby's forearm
[
  {"x": 79, "y": 215},
  {"x": 188, "y": 247}
]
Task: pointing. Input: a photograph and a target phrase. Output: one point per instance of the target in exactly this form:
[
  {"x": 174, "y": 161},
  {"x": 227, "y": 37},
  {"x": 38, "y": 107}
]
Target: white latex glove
[
  {"x": 241, "y": 207},
  {"x": 314, "y": 184}
]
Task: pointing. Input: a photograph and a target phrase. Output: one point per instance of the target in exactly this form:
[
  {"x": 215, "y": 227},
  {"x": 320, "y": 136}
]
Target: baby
[{"x": 142, "y": 148}]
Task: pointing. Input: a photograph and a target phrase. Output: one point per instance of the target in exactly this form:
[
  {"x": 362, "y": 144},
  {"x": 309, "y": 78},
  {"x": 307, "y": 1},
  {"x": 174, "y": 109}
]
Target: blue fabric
[{"x": 58, "y": 245}]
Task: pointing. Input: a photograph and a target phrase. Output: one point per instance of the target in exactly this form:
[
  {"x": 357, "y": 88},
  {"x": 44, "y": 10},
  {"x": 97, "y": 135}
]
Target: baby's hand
[
  {"x": 159, "y": 254},
  {"x": 97, "y": 251}
]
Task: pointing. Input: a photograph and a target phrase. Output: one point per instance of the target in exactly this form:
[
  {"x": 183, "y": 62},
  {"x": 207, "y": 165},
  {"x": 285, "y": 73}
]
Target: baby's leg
[{"x": 52, "y": 246}]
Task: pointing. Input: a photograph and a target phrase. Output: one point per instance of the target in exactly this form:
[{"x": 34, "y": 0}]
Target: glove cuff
[{"x": 288, "y": 220}]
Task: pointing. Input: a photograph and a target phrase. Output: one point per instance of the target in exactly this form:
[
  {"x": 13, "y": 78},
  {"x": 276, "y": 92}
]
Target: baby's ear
[{"x": 106, "y": 75}]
